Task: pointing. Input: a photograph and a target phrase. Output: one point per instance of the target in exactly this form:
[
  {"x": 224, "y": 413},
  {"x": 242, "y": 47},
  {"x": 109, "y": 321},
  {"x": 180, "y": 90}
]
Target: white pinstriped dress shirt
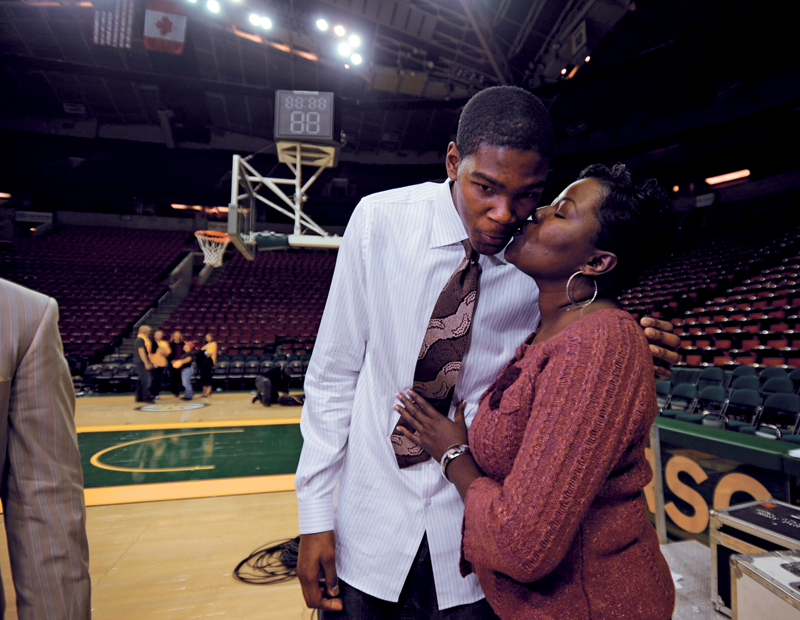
[{"x": 399, "y": 250}]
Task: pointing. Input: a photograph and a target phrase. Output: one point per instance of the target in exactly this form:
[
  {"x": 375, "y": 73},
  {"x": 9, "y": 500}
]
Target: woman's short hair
[
  {"x": 505, "y": 116},
  {"x": 636, "y": 224}
]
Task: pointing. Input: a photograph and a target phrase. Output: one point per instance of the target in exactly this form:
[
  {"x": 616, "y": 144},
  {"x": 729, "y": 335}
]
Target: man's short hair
[{"x": 505, "y": 116}]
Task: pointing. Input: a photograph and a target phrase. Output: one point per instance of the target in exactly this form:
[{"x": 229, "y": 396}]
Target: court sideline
[{"x": 174, "y": 558}]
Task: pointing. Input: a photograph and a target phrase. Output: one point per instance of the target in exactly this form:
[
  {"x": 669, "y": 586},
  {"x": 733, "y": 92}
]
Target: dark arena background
[{"x": 123, "y": 135}]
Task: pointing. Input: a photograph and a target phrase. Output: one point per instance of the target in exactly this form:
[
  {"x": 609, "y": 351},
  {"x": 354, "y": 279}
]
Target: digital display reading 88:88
[{"x": 303, "y": 114}]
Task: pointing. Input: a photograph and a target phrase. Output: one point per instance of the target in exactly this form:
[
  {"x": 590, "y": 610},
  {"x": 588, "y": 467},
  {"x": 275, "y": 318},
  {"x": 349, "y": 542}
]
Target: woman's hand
[{"x": 435, "y": 432}]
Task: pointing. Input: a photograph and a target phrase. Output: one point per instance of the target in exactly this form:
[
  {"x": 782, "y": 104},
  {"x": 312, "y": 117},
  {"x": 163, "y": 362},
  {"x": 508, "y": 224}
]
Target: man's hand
[
  {"x": 317, "y": 556},
  {"x": 665, "y": 355},
  {"x": 148, "y": 367}
]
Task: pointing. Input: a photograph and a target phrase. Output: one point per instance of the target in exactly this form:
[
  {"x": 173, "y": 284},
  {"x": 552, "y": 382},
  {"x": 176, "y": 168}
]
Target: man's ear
[
  {"x": 600, "y": 264},
  {"x": 452, "y": 161}
]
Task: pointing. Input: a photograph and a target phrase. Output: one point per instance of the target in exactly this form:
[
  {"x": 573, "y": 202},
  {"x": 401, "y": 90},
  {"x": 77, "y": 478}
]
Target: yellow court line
[
  {"x": 157, "y": 426},
  {"x": 158, "y": 492}
]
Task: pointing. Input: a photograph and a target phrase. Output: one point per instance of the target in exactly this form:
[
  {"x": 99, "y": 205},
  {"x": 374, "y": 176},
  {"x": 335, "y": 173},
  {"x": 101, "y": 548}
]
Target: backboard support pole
[{"x": 247, "y": 183}]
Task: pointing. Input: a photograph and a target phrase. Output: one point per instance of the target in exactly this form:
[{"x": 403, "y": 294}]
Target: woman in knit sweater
[{"x": 555, "y": 522}]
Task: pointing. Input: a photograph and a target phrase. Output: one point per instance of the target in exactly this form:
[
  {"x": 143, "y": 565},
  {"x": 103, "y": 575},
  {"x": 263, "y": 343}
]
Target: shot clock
[{"x": 303, "y": 115}]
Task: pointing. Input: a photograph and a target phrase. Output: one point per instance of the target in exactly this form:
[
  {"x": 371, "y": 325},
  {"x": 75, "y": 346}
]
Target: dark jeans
[
  {"x": 143, "y": 384},
  {"x": 158, "y": 377},
  {"x": 417, "y": 600},
  {"x": 175, "y": 380}
]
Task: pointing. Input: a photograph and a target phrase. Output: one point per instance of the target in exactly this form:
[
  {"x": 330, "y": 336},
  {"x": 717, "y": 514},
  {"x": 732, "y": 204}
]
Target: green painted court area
[{"x": 182, "y": 454}]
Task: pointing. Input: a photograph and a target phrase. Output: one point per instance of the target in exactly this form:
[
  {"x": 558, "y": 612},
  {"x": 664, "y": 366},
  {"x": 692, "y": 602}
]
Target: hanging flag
[
  {"x": 164, "y": 26},
  {"x": 113, "y": 22}
]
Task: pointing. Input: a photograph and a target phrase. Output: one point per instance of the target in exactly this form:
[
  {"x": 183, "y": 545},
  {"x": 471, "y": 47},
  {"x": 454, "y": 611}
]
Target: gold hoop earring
[{"x": 569, "y": 295}]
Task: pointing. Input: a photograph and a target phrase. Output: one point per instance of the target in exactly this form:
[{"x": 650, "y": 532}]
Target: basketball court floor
[{"x": 177, "y": 494}]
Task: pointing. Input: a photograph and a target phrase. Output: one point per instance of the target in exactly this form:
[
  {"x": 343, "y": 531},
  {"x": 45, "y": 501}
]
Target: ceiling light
[
  {"x": 236, "y": 1},
  {"x": 266, "y": 23},
  {"x": 344, "y": 49},
  {"x": 356, "y": 59},
  {"x": 676, "y": 189},
  {"x": 587, "y": 59},
  {"x": 731, "y": 176},
  {"x": 564, "y": 71},
  {"x": 255, "y": 19},
  {"x": 355, "y": 40},
  {"x": 193, "y": 1},
  {"x": 339, "y": 31},
  {"x": 5, "y": 195},
  {"x": 346, "y": 66},
  {"x": 322, "y": 25},
  {"x": 213, "y": 6}
]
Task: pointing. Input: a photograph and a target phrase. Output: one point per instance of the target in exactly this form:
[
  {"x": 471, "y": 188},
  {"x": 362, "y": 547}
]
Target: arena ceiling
[{"x": 655, "y": 65}]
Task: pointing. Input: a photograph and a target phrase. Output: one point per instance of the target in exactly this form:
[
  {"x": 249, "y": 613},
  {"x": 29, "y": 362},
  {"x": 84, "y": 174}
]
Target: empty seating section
[
  {"x": 765, "y": 404},
  {"x": 733, "y": 298},
  {"x": 104, "y": 279},
  {"x": 271, "y": 305}
]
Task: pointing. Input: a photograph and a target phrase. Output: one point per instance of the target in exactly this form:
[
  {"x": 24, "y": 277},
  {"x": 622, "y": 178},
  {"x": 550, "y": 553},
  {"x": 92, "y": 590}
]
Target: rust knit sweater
[{"x": 558, "y": 527}]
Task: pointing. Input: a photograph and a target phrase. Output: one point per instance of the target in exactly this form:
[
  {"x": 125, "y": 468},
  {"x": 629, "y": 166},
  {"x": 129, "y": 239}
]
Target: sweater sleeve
[{"x": 588, "y": 407}]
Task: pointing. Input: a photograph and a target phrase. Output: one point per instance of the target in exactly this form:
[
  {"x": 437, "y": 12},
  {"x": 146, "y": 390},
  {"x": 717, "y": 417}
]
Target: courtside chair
[
  {"x": 772, "y": 373},
  {"x": 708, "y": 409},
  {"x": 746, "y": 383},
  {"x": 794, "y": 377},
  {"x": 663, "y": 389},
  {"x": 712, "y": 376},
  {"x": 681, "y": 400},
  {"x": 743, "y": 408},
  {"x": 219, "y": 377},
  {"x": 779, "y": 417},
  {"x": 744, "y": 371},
  {"x": 777, "y": 385}
]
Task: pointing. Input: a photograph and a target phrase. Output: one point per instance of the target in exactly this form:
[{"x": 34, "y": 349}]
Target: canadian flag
[{"x": 164, "y": 26}]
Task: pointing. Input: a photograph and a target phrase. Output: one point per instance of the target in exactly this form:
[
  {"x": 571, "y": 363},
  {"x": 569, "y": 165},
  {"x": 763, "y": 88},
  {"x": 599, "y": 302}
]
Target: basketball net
[{"x": 213, "y": 244}]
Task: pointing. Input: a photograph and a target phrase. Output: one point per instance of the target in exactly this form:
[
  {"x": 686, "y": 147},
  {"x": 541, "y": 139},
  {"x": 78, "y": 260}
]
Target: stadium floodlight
[
  {"x": 564, "y": 71},
  {"x": 344, "y": 49},
  {"x": 322, "y": 25},
  {"x": 255, "y": 19},
  {"x": 731, "y": 176},
  {"x": 213, "y": 6},
  {"x": 354, "y": 40},
  {"x": 356, "y": 59},
  {"x": 339, "y": 30},
  {"x": 587, "y": 59},
  {"x": 266, "y": 23}
]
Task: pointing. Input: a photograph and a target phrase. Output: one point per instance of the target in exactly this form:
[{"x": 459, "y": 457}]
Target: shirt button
[{"x": 427, "y": 502}]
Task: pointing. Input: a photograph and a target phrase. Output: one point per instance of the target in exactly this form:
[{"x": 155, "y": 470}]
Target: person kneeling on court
[{"x": 185, "y": 365}]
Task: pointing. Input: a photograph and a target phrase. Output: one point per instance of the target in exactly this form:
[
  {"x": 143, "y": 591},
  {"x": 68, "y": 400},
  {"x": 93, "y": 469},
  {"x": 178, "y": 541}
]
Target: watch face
[{"x": 301, "y": 114}]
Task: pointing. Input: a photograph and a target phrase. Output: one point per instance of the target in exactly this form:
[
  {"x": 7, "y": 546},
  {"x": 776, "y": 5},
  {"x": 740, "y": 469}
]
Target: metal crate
[
  {"x": 753, "y": 528},
  {"x": 766, "y": 586}
]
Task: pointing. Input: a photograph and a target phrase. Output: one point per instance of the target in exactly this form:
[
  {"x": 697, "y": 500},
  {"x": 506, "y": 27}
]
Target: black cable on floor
[{"x": 274, "y": 562}]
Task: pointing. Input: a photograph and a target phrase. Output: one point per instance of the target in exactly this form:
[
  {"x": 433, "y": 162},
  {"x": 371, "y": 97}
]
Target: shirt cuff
[{"x": 315, "y": 515}]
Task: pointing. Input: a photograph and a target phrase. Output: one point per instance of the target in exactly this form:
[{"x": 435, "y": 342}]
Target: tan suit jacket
[{"x": 41, "y": 483}]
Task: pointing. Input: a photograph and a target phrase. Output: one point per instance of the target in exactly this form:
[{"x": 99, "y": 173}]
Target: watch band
[{"x": 453, "y": 452}]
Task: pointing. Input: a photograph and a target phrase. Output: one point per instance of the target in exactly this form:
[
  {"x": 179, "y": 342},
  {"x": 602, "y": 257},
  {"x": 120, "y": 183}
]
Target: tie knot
[{"x": 472, "y": 255}]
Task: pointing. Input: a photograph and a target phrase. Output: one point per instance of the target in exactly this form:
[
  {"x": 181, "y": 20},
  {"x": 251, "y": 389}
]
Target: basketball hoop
[{"x": 213, "y": 244}]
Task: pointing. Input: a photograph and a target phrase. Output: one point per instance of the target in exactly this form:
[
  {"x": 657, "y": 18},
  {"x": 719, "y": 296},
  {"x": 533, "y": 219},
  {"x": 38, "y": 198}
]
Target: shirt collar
[{"x": 447, "y": 227}]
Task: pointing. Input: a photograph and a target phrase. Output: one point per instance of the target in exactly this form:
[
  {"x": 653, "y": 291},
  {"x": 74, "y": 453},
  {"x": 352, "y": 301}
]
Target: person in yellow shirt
[
  {"x": 206, "y": 372},
  {"x": 161, "y": 351}
]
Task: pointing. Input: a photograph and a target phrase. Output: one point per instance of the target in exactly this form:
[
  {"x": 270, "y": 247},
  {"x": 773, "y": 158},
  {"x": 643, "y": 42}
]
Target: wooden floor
[{"x": 174, "y": 559}]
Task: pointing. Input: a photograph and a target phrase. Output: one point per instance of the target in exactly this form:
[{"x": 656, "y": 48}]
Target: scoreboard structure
[
  {"x": 305, "y": 135},
  {"x": 304, "y": 116}
]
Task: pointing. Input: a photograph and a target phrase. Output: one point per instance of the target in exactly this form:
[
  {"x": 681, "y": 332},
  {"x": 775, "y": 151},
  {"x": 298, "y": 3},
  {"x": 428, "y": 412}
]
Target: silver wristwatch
[{"x": 453, "y": 452}]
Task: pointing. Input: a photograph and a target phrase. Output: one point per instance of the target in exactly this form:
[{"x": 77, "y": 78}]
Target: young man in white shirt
[{"x": 398, "y": 531}]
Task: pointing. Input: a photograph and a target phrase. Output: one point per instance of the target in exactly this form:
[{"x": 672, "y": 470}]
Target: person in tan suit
[{"x": 41, "y": 483}]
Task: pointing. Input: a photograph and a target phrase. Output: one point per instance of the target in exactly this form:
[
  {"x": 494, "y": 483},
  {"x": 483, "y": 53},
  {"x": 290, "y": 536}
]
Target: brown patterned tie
[{"x": 443, "y": 348}]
